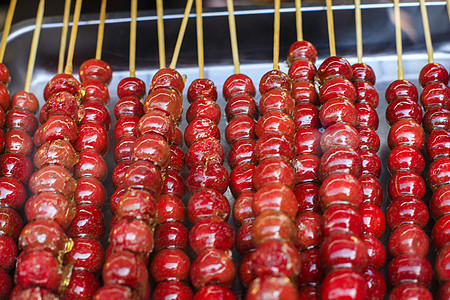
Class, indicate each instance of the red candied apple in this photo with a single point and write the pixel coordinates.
(18, 141)
(210, 175)
(238, 84)
(269, 287)
(274, 145)
(307, 141)
(376, 283)
(200, 129)
(120, 171)
(242, 152)
(307, 194)
(92, 136)
(401, 89)
(91, 163)
(8, 248)
(404, 158)
(434, 94)
(373, 219)
(129, 105)
(242, 209)
(171, 235)
(375, 251)
(245, 271)
(131, 235)
(137, 204)
(16, 165)
(363, 72)
(24, 100)
(95, 68)
(341, 159)
(407, 209)
(12, 192)
(406, 183)
(4, 97)
(242, 104)
(201, 87)
(204, 108)
(438, 144)
(52, 178)
(275, 121)
(306, 115)
(170, 208)
(273, 225)
(173, 184)
(371, 162)
(366, 93)
(337, 88)
(341, 283)
(95, 89)
(302, 70)
(368, 138)
(408, 239)
(211, 233)
(436, 118)
(310, 271)
(57, 127)
(372, 190)
(274, 170)
(309, 230)
(444, 292)
(205, 151)
(207, 203)
(338, 110)
(113, 291)
(300, 50)
(340, 188)
(96, 112)
(213, 266)
(6, 284)
(339, 134)
(176, 158)
(244, 238)
(90, 191)
(275, 196)
(342, 218)
(143, 174)
(407, 290)
(214, 291)
(441, 233)
(241, 127)
(20, 118)
(433, 72)
(277, 99)
(86, 254)
(152, 147)
(274, 79)
(332, 67)
(403, 108)
(44, 235)
(88, 222)
(306, 168)
(82, 285)
(439, 173)
(63, 83)
(172, 289)
(442, 264)
(410, 268)
(241, 179)
(439, 203)
(4, 74)
(168, 78)
(304, 91)
(170, 264)
(406, 132)
(131, 86)
(367, 116)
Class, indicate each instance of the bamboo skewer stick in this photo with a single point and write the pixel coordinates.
(160, 24)
(73, 37)
(200, 50)
(180, 37)
(233, 36)
(276, 35)
(398, 39)
(8, 21)
(101, 30)
(358, 25)
(133, 24)
(62, 45)
(34, 45)
(426, 31)
(330, 22)
(298, 19)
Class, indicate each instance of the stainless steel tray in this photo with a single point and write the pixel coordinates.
(255, 33)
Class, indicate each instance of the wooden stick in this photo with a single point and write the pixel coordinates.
(358, 25)
(8, 22)
(133, 24)
(180, 37)
(233, 36)
(62, 45)
(73, 37)
(298, 19)
(34, 45)
(200, 50)
(160, 24)
(331, 28)
(448, 8)
(398, 39)
(426, 31)
(276, 34)
(101, 30)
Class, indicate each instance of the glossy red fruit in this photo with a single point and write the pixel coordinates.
(274, 79)
(50, 206)
(434, 94)
(338, 110)
(273, 225)
(410, 268)
(12, 192)
(4, 97)
(96, 111)
(342, 218)
(170, 264)
(19, 118)
(211, 175)
(131, 235)
(406, 291)
(339, 134)
(311, 271)
(17, 141)
(277, 99)
(301, 50)
(211, 233)
(368, 138)
(406, 132)
(213, 266)
(274, 170)
(58, 152)
(242, 104)
(242, 209)
(242, 152)
(207, 203)
(200, 129)
(24, 100)
(52, 178)
(131, 86)
(95, 68)
(405, 158)
(90, 191)
(366, 93)
(433, 72)
(307, 195)
(173, 184)
(302, 70)
(376, 283)
(152, 147)
(304, 91)
(441, 232)
(407, 209)
(170, 208)
(8, 248)
(275, 196)
(114, 292)
(86, 254)
(201, 87)
(307, 141)
(438, 144)
(82, 285)
(92, 136)
(95, 89)
(244, 238)
(143, 174)
(39, 268)
(375, 251)
(363, 72)
(238, 84)
(91, 163)
(176, 158)
(367, 116)
(406, 183)
(6, 284)
(4, 74)
(372, 190)
(241, 127)
(63, 83)
(204, 108)
(306, 168)
(401, 89)
(168, 78)
(241, 179)
(436, 118)
(137, 204)
(120, 171)
(334, 66)
(275, 121)
(442, 264)
(16, 165)
(341, 159)
(444, 292)
(172, 289)
(309, 230)
(214, 292)
(88, 222)
(273, 288)
(344, 284)
(371, 162)
(171, 235)
(439, 203)
(341, 188)
(62, 103)
(205, 151)
(337, 88)
(373, 219)
(306, 115)
(403, 108)
(274, 145)
(129, 105)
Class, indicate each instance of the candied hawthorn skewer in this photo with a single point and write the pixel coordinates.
(87, 254)
(406, 215)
